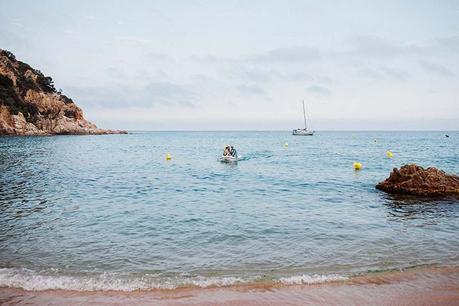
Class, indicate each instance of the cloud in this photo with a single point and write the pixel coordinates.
(115, 96)
(288, 55)
(451, 43)
(169, 92)
(134, 40)
(199, 77)
(378, 48)
(436, 69)
(250, 90)
(358, 47)
(254, 74)
(302, 76)
(153, 56)
(211, 59)
(263, 75)
(370, 56)
(383, 73)
(115, 72)
(319, 90)
(395, 73)
(105, 96)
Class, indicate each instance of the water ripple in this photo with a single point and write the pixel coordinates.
(112, 204)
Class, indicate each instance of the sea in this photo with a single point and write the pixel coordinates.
(109, 212)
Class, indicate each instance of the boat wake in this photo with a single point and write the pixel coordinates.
(257, 155)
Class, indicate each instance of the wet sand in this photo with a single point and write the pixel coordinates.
(422, 286)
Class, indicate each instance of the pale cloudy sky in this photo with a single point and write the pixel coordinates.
(203, 65)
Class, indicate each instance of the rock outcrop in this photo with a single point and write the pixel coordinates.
(415, 180)
(30, 105)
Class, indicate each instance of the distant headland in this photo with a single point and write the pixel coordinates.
(31, 105)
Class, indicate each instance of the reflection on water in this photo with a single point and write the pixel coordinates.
(408, 207)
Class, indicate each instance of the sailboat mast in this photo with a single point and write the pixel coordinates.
(304, 116)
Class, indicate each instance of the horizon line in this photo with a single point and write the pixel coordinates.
(248, 130)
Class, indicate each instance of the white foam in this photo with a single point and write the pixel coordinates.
(205, 282)
(30, 280)
(51, 280)
(311, 279)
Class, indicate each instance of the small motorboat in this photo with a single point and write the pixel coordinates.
(229, 155)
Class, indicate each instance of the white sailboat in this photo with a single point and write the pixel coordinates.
(305, 131)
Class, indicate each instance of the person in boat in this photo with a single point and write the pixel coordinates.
(230, 151)
(233, 151)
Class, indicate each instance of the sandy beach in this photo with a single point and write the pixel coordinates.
(421, 286)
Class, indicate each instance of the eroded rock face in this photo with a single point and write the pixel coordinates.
(30, 105)
(415, 180)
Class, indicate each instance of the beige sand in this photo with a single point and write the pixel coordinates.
(427, 286)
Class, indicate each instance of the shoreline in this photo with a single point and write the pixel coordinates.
(417, 286)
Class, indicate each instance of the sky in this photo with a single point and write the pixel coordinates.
(246, 65)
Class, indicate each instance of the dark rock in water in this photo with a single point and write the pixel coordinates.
(31, 105)
(415, 180)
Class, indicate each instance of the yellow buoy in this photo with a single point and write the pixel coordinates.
(389, 154)
(168, 156)
(357, 166)
(286, 144)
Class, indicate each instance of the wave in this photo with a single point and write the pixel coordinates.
(31, 280)
(39, 281)
(311, 279)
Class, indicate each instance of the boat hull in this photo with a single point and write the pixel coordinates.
(229, 159)
(302, 132)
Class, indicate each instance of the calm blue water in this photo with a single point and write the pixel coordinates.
(109, 212)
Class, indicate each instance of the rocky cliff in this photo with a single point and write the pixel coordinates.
(30, 105)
